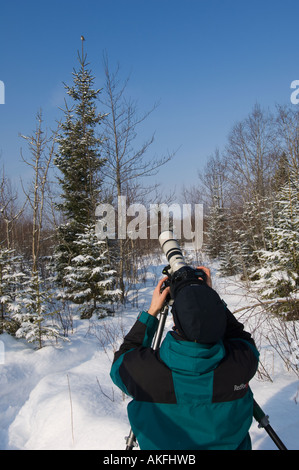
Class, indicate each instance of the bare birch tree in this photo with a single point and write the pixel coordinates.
(126, 161)
(9, 211)
(251, 154)
(41, 148)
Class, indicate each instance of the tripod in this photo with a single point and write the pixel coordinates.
(258, 414)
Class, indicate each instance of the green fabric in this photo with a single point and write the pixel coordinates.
(194, 422)
(115, 377)
(186, 427)
(151, 327)
(184, 356)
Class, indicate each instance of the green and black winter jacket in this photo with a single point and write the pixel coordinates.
(187, 395)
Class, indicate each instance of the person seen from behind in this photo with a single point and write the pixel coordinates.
(193, 392)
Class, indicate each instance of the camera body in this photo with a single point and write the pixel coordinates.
(178, 272)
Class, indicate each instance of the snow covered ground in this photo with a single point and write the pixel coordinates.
(61, 397)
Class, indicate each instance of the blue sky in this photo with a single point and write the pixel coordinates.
(206, 61)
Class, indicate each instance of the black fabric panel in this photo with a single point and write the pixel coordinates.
(146, 377)
(232, 375)
(132, 340)
(235, 329)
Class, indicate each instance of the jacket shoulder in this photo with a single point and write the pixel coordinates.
(232, 376)
(147, 377)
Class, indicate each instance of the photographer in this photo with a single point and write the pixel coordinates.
(192, 393)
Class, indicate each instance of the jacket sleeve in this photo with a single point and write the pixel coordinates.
(235, 329)
(140, 336)
(235, 334)
(234, 372)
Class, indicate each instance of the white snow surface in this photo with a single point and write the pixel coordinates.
(61, 397)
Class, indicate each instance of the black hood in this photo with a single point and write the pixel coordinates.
(199, 313)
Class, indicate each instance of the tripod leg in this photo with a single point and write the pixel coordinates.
(263, 421)
(160, 329)
(275, 438)
(131, 441)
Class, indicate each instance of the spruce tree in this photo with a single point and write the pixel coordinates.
(216, 229)
(11, 284)
(82, 266)
(230, 259)
(79, 161)
(34, 310)
(89, 279)
(280, 259)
